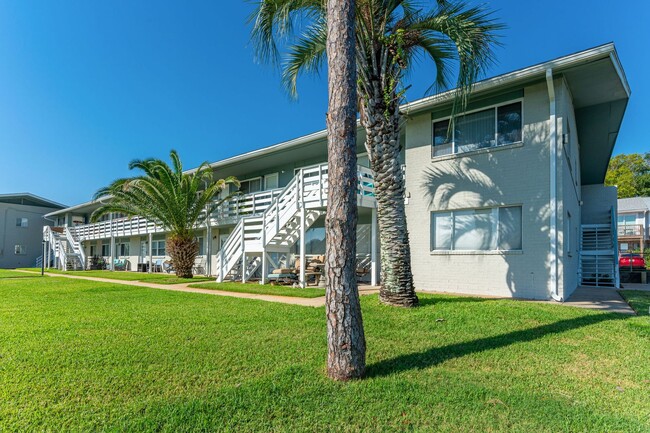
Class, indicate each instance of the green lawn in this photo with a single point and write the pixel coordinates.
(8, 273)
(639, 300)
(84, 356)
(158, 278)
(264, 289)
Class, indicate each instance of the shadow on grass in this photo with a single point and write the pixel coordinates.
(451, 299)
(437, 355)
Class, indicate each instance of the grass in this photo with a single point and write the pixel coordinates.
(157, 278)
(639, 300)
(80, 356)
(264, 289)
(7, 273)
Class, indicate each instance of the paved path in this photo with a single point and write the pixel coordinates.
(584, 297)
(599, 298)
(184, 287)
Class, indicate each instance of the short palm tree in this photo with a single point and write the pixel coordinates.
(179, 201)
(390, 36)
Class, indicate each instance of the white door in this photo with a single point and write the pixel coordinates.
(271, 181)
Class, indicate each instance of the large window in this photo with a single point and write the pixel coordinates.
(627, 219)
(495, 126)
(477, 229)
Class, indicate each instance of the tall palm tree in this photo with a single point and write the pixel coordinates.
(346, 344)
(391, 35)
(179, 201)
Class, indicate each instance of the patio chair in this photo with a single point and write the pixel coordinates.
(199, 267)
(119, 265)
(168, 266)
(157, 266)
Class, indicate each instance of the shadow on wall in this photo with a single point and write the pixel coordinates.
(464, 183)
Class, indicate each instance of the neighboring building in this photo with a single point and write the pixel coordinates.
(21, 228)
(633, 224)
(510, 203)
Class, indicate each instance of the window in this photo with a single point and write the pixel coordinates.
(20, 250)
(93, 250)
(106, 249)
(122, 247)
(250, 186)
(22, 222)
(158, 248)
(496, 126)
(201, 245)
(627, 219)
(477, 229)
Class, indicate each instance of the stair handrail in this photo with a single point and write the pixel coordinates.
(76, 245)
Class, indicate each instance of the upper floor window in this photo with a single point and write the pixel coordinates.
(627, 219)
(491, 127)
(251, 185)
(22, 222)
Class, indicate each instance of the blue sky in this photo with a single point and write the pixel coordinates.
(85, 87)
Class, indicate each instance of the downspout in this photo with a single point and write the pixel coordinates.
(553, 186)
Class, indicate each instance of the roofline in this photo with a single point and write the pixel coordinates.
(72, 208)
(526, 74)
(33, 196)
(558, 64)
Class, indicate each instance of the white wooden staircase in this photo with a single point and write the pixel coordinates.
(283, 223)
(66, 250)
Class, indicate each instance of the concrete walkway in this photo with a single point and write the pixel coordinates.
(594, 298)
(184, 287)
(599, 298)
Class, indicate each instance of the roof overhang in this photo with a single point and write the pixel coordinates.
(32, 198)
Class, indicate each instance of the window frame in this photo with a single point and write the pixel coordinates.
(259, 178)
(155, 247)
(495, 108)
(20, 221)
(495, 214)
(20, 250)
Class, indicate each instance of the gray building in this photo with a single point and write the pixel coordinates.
(21, 228)
(507, 199)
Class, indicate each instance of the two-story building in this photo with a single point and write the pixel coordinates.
(633, 224)
(21, 228)
(506, 199)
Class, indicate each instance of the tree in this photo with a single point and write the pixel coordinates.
(346, 343)
(630, 173)
(390, 36)
(179, 201)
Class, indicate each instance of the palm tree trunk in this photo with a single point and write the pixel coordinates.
(345, 337)
(183, 251)
(382, 130)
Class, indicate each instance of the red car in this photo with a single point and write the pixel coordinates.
(633, 262)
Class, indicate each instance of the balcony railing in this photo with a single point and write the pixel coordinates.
(231, 211)
(630, 230)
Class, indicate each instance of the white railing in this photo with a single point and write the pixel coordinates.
(244, 205)
(309, 187)
(76, 246)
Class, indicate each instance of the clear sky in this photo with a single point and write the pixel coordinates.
(85, 87)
